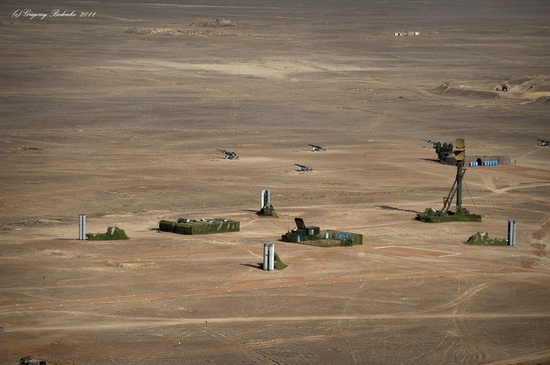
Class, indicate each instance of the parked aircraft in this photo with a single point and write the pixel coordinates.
(303, 168)
(229, 155)
(316, 148)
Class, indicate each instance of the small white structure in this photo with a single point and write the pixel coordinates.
(265, 198)
(269, 257)
(511, 233)
(406, 33)
(82, 227)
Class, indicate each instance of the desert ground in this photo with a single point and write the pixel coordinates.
(116, 112)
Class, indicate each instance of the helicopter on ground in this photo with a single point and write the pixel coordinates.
(544, 142)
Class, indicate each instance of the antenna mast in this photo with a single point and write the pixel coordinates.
(456, 189)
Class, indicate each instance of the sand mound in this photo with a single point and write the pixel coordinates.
(452, 89)
(214, 23)
(539, 89)
(175, 32)
(545, 100)
(535, 88)
(529, 85)
(165, 31)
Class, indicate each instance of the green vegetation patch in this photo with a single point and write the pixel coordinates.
(113, 233)
(482, 239)
(206, 226)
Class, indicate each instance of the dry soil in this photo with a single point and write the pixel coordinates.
(117, 112)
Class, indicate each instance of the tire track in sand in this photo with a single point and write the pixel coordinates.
(251, 286)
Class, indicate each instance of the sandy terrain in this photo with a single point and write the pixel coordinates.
(118, 114)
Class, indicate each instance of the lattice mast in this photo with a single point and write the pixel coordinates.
(456, 189)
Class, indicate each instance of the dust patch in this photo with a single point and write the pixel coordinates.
(134, 264)
(51, 252)
(177, 32)
(542, 232)
(529, 263)
(218, 23)
(540, 249)
(183, 309)
(264, 68)
(214, 23)
(34, 150)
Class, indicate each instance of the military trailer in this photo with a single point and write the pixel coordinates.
(204, 226)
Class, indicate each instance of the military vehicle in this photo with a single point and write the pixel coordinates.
(304, 230)
(312, 235)
(316, 148)
(27, 360)
(303, 168)
(442, 150)
(229, 155)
